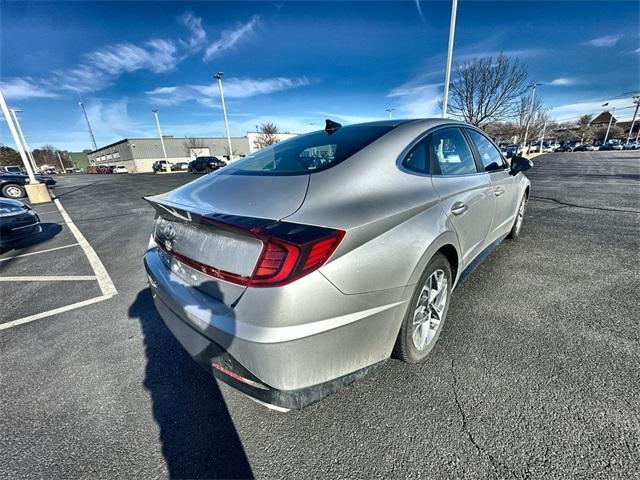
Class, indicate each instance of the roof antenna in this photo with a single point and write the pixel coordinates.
(331, 126)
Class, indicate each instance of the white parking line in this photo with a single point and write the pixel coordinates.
(55, 311)
(104, 281)
(39, 251)
(58, 278)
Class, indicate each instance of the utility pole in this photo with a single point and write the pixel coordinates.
(218, 76)
(16, 139)
(14, 112)
(610, 120)
(447, 73)
(389, 109)
(636, 100)
(86, 118)
(526, 130)
(164, 151)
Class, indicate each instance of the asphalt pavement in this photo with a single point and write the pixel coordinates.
(535, 375)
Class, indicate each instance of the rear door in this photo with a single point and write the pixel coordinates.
(466, 195)
(505, 188)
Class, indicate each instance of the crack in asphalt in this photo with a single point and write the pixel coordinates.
(566, 204)
(465, 429)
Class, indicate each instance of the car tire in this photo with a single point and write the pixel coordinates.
(12, 190)
(514, 234)
(416, 338)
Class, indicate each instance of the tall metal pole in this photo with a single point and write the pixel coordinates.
(389, 110)
(610, 120)
(14, 112)
(64, 171)
(447, 73)
(544, 129)
(218, 76)
(16, 139)
(633, 122)
(86, 118)
(164, 151)
(526, 130)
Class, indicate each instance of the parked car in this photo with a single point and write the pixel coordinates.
(12, 184)
(632, 146)
(160, 166)
(585, 147)
(288, 281)
(206, 164)
(17, 221)
(180, 166)
(563, 148)
(120, 169)
(12, 169)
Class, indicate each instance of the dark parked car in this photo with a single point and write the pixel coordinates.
(160, 166)
(17, 221)
(586, 147)
(206, 164)
(564, 148)
(12, 184)
(177, 167)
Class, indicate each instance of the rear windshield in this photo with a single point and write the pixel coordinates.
(308, 153)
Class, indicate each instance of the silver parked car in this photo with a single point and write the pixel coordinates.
(292, 272)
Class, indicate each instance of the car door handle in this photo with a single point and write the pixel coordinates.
(459, 208)
(499, 191)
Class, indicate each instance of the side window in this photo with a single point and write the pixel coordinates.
(451, 152)
(489, 156)
(416, 159)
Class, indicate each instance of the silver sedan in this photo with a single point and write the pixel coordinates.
(294, 271)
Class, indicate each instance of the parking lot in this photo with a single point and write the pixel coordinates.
(536, 373)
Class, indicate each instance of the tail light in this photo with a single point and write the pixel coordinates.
(289, 250)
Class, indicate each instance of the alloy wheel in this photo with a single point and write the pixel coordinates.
(430, 308)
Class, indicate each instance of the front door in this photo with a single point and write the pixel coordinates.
(465, 194)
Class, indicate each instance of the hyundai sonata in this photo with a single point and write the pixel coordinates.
(294, 271)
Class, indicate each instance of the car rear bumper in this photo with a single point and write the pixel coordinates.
(288, 367)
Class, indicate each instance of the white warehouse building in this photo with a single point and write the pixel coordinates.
(139, 154)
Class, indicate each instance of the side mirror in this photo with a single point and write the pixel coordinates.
(520, 164)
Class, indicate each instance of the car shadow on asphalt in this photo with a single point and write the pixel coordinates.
(198, 437)
(49, 230)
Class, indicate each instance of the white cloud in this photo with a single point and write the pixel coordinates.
(228, 38)
(419, 8)
(198, 36)
(571, 111)
(563, 82)
(606, 41)
(233, 88)
(349, 118)
(25, 88)
(415, 99)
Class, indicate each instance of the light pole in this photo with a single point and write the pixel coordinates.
(447, 73)
(86, 118)
(610, 120)
(16, 139)
(526, 130)
(164, 151)
(389, 109)
(14, 112)
(636, 100)
(544, 129)
(218, 76)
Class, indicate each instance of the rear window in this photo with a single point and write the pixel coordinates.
(308, 153)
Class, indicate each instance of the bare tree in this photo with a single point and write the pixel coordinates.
(487, 89)
(614, 132)
(501, 132)
(194, 146)
(536, 118)
(584, 128)
(9, 157)
(268, 135)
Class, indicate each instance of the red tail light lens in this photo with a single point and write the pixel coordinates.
(289, 250)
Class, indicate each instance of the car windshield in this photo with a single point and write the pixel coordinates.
(308, 153)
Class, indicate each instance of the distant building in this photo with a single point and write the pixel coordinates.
(139, 154)
(603, 120)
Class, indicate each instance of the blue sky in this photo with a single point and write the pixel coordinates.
(292, 63)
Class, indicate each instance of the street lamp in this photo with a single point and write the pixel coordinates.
(447, 73)
(218, 76)
(526, 130)
(389, 109)
(164, 150)
(610, 120)
(86, 118)
(14, 112)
